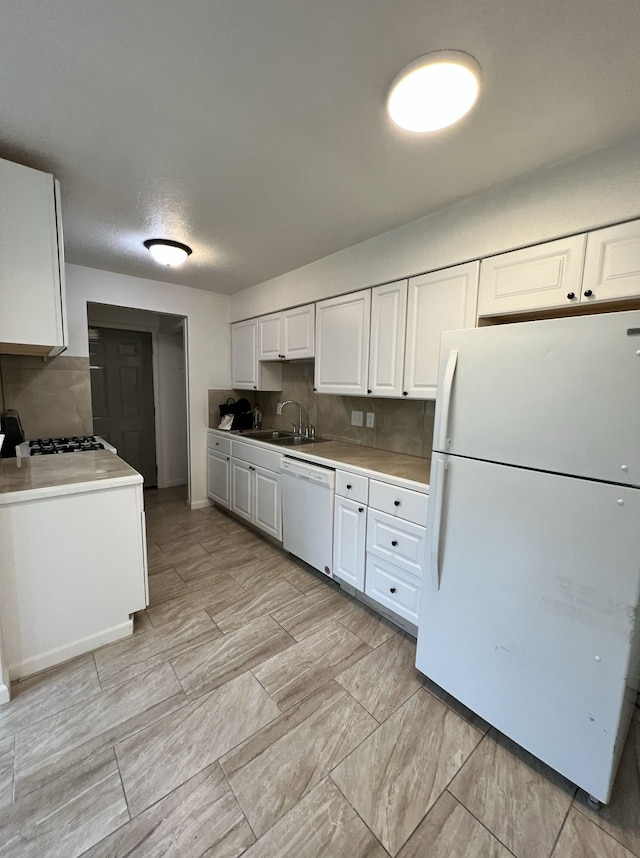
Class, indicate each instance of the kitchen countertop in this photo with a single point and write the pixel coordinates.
(411, 471)
(47, 476)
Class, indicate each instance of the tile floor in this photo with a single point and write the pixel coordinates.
(259, 711)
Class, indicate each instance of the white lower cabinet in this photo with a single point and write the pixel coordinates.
(349, 539)
(397, 590)
(218, 477)
(255, 496)
(267, 506)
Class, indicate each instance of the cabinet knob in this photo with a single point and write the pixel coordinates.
(588, 293)
(251, 468)
(349, 486)
(571, 295)
(368, 391)
(360, 509)
(282, 357)
(394, 542)
(255, 386)
(217, 443)
(396, 503)
(392, 589)
(405, 393)
(315, 389)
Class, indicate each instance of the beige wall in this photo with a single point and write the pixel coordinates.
(593, 190)
(403, 426)
(52, 396)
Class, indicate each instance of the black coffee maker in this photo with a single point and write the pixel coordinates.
(11, 428)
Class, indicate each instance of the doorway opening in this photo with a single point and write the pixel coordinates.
(139, 389)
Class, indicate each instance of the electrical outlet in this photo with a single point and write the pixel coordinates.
(371, 419)
(356, 418)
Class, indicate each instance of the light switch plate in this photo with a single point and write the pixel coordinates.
(356, 418)
(371, 419)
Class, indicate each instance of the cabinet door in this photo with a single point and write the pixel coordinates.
(267, 507)
(32, 316)
(241, 489)
(349, 532)
(218, 477)
(342, 344)
(393, 587)
(440, 301)
(298, 331)
(244, 355)
(386, 349)
(270, 337)
(535, 278)
(612, 263)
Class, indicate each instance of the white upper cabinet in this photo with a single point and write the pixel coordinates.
(441, 301)
(612, 263)
(32, 318)
(386, 348)
(342, 344)
(288, 335)
(247, 373)
(535, 278)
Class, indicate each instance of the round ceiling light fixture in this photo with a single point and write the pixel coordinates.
(434, 91)
(167, 252)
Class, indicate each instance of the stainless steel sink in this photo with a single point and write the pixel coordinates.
(266, 434)
(294, 441)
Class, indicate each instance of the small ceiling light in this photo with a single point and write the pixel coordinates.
(434, 91)
(167, 252)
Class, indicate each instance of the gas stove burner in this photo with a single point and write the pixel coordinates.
(75, 444)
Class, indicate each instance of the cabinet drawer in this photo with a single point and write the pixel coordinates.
(398, 541)
(393, 587)
(220, 445)
(257, 455)
(402, 503)
(352, 486)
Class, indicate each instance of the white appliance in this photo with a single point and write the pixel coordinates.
(529, 602)
(72, 444)
(307, 512)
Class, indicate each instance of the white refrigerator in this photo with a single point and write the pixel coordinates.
(530, 596)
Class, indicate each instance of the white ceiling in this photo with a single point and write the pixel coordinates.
(255, 130)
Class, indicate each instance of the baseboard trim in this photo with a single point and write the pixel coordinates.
(5, 688)
(201, 504)
(42, 661)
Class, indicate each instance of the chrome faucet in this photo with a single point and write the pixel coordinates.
(281, 405)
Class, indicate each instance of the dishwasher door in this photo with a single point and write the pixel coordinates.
(307, 512)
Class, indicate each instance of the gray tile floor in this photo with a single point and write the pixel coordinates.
(259, 711)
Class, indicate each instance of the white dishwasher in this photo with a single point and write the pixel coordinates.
(307, 512)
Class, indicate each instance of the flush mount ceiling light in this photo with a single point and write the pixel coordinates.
(434, 91)
(167, 252)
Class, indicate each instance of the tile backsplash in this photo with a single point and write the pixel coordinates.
(52, 396)
(402, 426)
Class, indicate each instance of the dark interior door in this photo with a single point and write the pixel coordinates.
(122, 396)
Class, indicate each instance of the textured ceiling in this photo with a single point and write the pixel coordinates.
(255, 130)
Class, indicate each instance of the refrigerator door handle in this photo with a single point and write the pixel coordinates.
(442, 442)
(436, 501)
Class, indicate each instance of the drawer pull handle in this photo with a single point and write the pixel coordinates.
(392, 589)
(349, 486)
(360, 509)
(394, 542)
(396, 503)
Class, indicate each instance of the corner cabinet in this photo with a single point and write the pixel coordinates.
(247, 372)
(288, 335)
(441, 301)
(32, 320)
(342, 344)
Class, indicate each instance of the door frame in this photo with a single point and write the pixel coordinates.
(125, 326)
